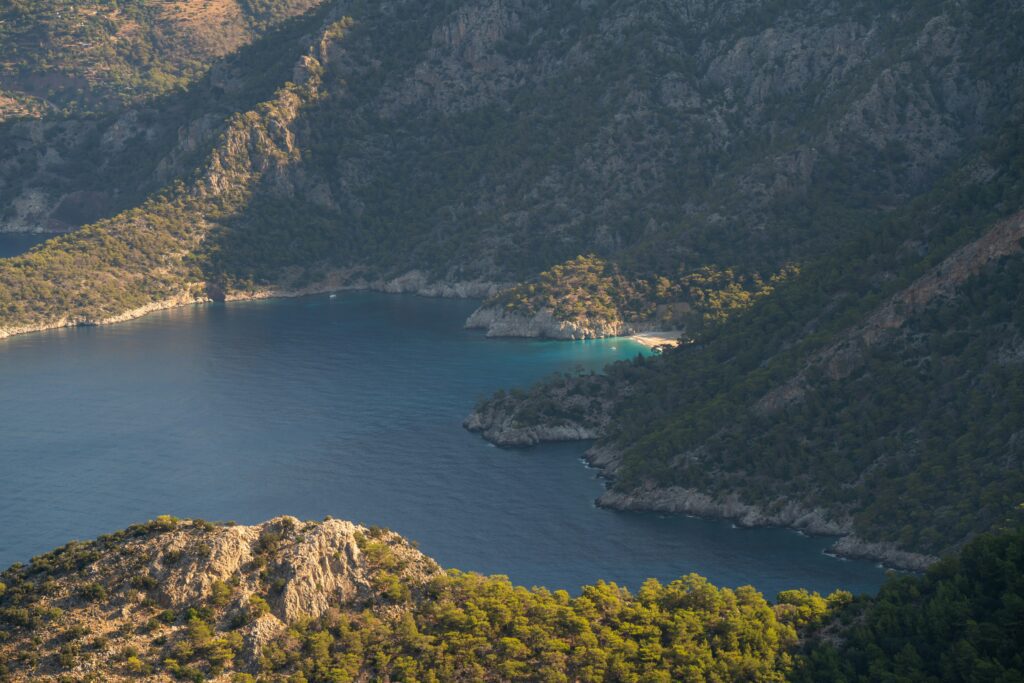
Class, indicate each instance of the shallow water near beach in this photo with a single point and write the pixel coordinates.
(349, 407)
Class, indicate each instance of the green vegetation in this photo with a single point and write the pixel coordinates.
(646, 162)
(470, 627)
(149, 254)
(960, 622)
(910, 438)
(95, 55)
(589, 289)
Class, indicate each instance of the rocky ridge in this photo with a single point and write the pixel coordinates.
(846, 355)
(151, 586)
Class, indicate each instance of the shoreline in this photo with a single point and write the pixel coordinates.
(413, 282)
(791, 515)
(845, 544)
(655, 339)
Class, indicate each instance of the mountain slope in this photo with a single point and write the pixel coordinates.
(332, 601)
(738, 137)
(875, 396)
(288, 600)
(962, 621)
(95, 56)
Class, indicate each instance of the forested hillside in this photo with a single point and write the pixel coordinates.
(737, 137)
(960, 622)
(94, 55)
(876, 395)
(332, 601)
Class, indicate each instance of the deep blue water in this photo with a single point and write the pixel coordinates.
(349, 407)
(12, 244)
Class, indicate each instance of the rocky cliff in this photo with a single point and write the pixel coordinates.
(190, 590)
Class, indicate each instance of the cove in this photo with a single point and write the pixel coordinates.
(349, 407)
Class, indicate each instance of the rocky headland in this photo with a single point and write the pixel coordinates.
(581, 408)
(499, 322)
(567, 408)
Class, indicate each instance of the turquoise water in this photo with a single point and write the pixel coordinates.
(349, 407)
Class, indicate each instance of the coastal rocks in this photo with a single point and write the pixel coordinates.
(414, 282)
(855, 547)
(501, 429)
(565, 409)
(674, 499)
(786, 513)
(417, 282)
(502, 323)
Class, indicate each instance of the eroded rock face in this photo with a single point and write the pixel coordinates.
(242, 582)
(316, 565)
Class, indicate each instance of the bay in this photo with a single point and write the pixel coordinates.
(349, 407)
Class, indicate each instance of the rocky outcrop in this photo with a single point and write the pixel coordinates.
(502, 429)
(784, 513)
(502, 323)
(567, 408)
(418, 282)
(246, 581)
(889, 554)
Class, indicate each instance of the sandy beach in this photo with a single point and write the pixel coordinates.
(652, 339)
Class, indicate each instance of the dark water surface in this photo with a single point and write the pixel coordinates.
(349, 407)
(12, 244)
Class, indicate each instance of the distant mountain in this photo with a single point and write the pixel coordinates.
(93, 56)
(484, 142)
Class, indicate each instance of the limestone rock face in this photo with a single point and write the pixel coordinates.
(501, 429)
(244, 582)
(316, 565)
